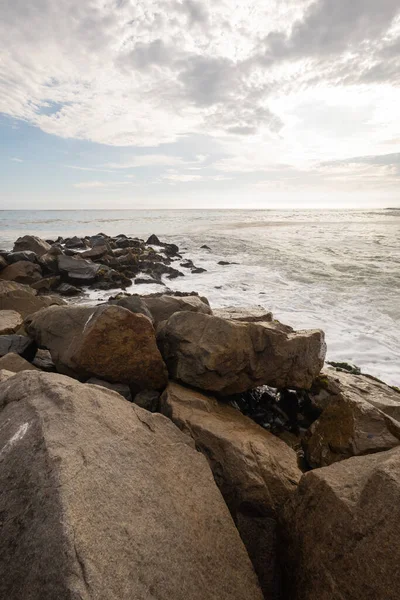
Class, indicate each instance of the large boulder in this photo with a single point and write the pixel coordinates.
(14, 257)
(333, 385)
(10, 321)
(108, 342)
(22, 271)
(133, 303)
(227, 357)
(344, 531)
(162, 307)
(355, 419)
(256, 472)
(31, 243)
(23, 299)
(78, 270)
(15, 362)
(108, 501)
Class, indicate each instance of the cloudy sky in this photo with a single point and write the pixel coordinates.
(199, 103)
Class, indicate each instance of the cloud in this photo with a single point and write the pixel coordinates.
(149, 160)
(19, 160)
(104, 185)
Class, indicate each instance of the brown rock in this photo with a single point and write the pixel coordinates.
(226, 357)
(10, 321)
(32, 243)
(108, 342)
(23, 299)
(120, 388)
(163, 307)
(251, 314)
(108, 501)
(95, 253)
(344, 531)
(3, 263)
(22, 271)
(355, 421)
(15, 362)
(255, 471)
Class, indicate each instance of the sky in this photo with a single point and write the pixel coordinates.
(199, 104)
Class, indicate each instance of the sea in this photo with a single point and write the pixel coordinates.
(337, 270)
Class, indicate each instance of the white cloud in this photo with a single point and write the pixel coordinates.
(148, 160)
(19, 160)
(103, 185)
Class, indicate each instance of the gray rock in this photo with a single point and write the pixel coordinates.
(162, 307)
(120, 388)
(101, 499)
(28, 255)
(17, 344)
(78, 269)
(147, 399)
(249, 314)
(133, 303)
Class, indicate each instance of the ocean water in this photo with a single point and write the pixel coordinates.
(334, 270)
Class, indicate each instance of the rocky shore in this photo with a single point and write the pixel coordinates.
(152, 447)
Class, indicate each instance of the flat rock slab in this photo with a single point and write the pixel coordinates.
(10, 321)
(14, 362)
(344, 531)
(105, 500)
(251, 314)
(78, 269)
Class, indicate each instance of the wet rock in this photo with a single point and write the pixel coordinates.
(198, 270)
(75, 242)
(346, 367)
(148, 399)
(162, 307)
(29, 256)
(78, 270)
(359, 416)
(344, 529)
(43, 361)
(22, 272)
(66, 289)
(23, 299)
(251, 314)
(154, 241)
(15, 363)
(118, 501)
(31, 243)
(3, 263)
(205, 247)
(95, 253)
(120, 388)
(107, 342)
(17, 344)
(227, 357)
(49, 261)
(256, 472)
(225, 262)
(10, 321)
(144, 280)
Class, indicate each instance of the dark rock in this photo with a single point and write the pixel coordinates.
(49, 261)
(95, 253)
(346, 367)
(66, 289)
(224, 262)
(188, 264)
(28, 255)
(75, 242)
(46, 284)
(154, 241)
(43, 361)
(3, 263)
(205, 247)
(198, 270)
(78, 270)
(120, 388)
(18, 344)
(141, 280)
(147, 399)
(127, 243)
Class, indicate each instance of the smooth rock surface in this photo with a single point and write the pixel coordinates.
(344, 531)
(226, 357)
(133, 303)
(78, 269)
(108, 342)
(10, 321)
(162, 307)
(31, 243)
(15, 362)
(108, 501)
(4, 375)
(22, 271)
(256, 472)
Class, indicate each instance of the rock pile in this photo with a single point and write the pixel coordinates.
(151, 447)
